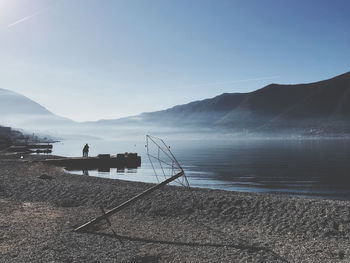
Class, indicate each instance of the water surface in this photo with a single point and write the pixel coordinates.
(318, 168)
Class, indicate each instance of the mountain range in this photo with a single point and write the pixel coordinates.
(314, 108)
(319, 107)
(19, 111)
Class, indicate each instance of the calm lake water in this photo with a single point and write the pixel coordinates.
(319, 168)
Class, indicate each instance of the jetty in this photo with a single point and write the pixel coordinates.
(123, 160)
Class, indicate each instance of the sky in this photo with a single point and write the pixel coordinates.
(104, 59)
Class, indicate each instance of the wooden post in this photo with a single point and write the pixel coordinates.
(129, 202)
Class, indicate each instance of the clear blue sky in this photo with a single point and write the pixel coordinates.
(94, 59)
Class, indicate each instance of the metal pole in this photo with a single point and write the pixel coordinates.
(129, 202)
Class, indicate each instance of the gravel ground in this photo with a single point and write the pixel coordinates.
(40, 205)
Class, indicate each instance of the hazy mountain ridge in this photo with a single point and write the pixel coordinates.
(322, 106)
(13, 103)
(319, 107)
(19, 111)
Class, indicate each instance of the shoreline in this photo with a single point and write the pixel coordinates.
(38, 216)
(265, 190)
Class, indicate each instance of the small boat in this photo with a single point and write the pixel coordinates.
(125, 160)
(27, 149)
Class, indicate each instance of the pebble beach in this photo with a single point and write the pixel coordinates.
(41, 205)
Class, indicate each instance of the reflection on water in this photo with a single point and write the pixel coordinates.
(318, 168)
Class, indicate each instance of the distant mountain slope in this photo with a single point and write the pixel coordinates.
(295, 105)
(17, 110)
(317, 108)
(323, 105)
(12, 103)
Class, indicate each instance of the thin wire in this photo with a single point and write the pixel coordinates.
(160, 164)
(161, 146)
(154, 157)
(154, 170)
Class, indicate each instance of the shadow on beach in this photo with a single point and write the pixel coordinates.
(247, 247)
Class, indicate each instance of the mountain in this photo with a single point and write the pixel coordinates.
(318, 107)
(15, 104)
(17, 110)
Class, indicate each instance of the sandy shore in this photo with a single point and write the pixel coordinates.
(37, 217)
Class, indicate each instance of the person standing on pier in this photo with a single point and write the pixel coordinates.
(86, 151)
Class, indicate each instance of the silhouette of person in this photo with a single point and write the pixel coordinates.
(86, 151)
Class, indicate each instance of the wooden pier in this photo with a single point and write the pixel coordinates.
(127, 160)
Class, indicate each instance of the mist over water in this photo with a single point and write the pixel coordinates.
(312, 167)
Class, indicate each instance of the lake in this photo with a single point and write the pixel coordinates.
(318, 168)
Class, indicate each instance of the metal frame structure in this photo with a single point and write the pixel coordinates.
(176, 173)
(171, 162)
